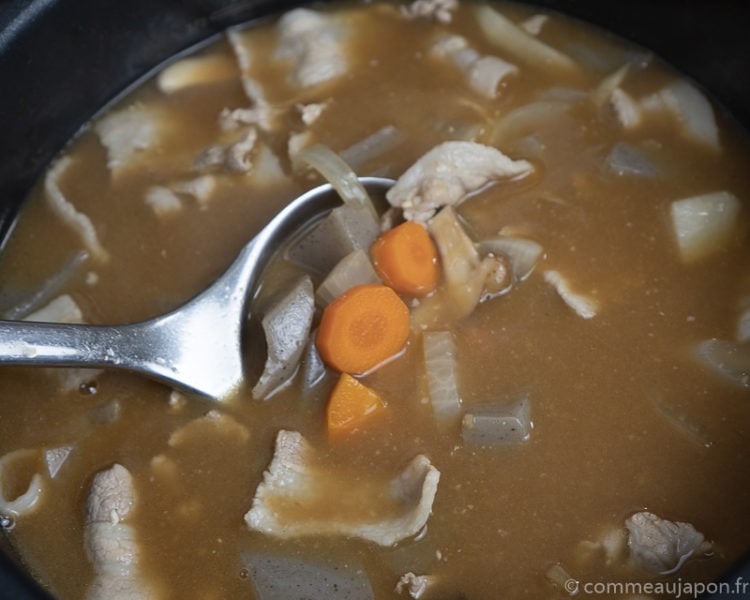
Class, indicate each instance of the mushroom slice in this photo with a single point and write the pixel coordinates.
(300, 497)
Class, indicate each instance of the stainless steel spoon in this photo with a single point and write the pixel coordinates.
(196, 347)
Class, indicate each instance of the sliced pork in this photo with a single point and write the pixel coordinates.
(129, 135)
(300, 497)
(314, 43)
(661, 546)
(66, 211)
(447, 174)
(110, 540)
(440, 10)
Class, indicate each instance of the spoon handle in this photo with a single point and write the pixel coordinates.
(58, 344)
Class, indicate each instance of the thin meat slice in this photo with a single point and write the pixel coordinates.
(300, 497)
(447, 174)
(110, 540)
(314, 43)
(661, 546)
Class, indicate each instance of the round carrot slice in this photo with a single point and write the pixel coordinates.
(406, 259)
(362, 328)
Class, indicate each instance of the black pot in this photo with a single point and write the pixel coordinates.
(62, 60)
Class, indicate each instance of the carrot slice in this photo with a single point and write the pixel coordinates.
(362, 328)
(406, 259)
(350, 405)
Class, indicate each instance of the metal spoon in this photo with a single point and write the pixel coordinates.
(196, 347)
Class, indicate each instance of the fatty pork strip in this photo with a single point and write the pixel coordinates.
(314, 42)
(484, 74)
(312, 48)
(110, 540)
(298, 498)
(447, 174)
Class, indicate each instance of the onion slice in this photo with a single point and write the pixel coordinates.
(343, 179)
(508, 36)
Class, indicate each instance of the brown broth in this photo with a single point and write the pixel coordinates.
(600, 449)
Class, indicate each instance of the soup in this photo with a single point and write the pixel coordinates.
(567, 404)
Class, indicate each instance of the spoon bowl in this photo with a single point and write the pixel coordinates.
(196, 348)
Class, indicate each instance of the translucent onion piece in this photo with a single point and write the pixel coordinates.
(333, 168)
(525, 47)
(49, 288)
(703, 224)
(354, 269)
(527, 119)
(728, 359)
(383, 140)
(442, 375)
(27, 501)
(522, 253)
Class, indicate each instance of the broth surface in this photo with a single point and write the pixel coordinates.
(625, 418)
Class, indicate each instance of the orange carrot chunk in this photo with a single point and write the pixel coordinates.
(406, 259)
(351, 405)
(362, 328)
